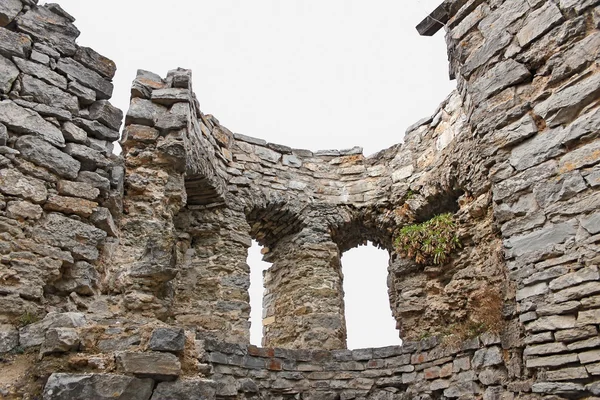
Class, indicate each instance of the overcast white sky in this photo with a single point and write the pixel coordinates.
(304, 73)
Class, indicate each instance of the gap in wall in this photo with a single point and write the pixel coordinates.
(257, 266)
(369, 320)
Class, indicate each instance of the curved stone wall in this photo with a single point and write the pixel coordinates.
(126, 277)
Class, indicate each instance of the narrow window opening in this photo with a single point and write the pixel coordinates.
(257, 267)
(369, 320)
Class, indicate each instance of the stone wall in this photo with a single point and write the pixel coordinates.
(60, 184)
(126, 277)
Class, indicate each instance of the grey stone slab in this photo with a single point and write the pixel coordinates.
(89, 158)
(567, 102)
(9, 9)
(43, 24)
(155, 365)
(97, 62)
(591, 223)
(540, 239)
(26, 121)
(8, 74)
(196, 389)
(45, 110)
(585, 156)
(575, 278)
(9, 338)
(14, 44)
(107, 114)
(48, 94)
(41, 72)
(13, 182)
(81, 239)
(551, 361)
(96, 129)
(576, 292)
(85, 95)
(81, 278)
(555, 388)
(34, 334)
(144, 112)
(170, 96)
(63, 386)
(539, 22)
(552, 323)
(42, 153)
(505, 74)
(40, 58)
(60, 340)
(85, 76)
(167, 339)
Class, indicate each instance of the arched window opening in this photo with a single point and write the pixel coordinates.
(257, 267)
(369, 321)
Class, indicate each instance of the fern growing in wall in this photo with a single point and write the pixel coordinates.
(430, 242)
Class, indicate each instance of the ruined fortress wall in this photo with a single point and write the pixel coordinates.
(136, 266)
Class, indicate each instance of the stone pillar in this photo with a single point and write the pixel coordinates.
(211, 289)
(303, 306)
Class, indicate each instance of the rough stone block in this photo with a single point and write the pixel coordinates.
(89, 158)
(34, 334)
(9, 9)
(539, 22)
(540, 239)
(197, 389)
(41, 72)
(49, 95)
(44, 154)
(551, 361)
(9, 338)
(70, 205)
(544, 349)
(97, 62)
(79, 238)
(97, 129)
(60, 340)
(107, 114)
(505, 74)
(61, 386)
(14, 183)
(557, 388)
(81, 278)
(144, 112)
(48, 26)
(487, 357)
(14, 44)
(26, 121)
(103, 219)
(568, 101)
(155, 365)
(8, 74)
(85, 76)
(23, 210)
(167, 339)
(77, 189)
(552, 323)
(170, 96)
(589, 356)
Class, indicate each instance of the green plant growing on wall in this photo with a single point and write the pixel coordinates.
(429, 242)
(28, 318)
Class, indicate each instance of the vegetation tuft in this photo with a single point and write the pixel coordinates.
(28, 318)
(429, 242)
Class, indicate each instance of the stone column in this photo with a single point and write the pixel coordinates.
(303, 306)
(211, 289)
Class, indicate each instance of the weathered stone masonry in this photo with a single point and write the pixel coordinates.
(126, 276)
